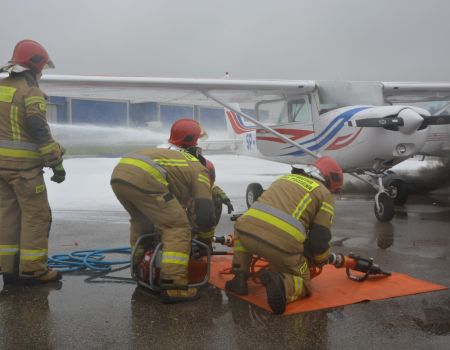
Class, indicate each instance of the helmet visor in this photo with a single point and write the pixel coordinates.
(49, 64)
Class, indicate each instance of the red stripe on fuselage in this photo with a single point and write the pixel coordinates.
(238, 129)
(337, 142)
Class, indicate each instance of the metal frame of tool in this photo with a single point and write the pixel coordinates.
(151, 285)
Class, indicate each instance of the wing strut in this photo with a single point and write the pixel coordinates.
(261, 125)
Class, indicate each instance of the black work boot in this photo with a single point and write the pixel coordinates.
(50, 276)
(238, 284)
(276, 296)
(10, 278)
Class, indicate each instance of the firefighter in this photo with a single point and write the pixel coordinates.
(289, 225)
(178, 140)
(219, 198)
(26, 146)
(153, 185)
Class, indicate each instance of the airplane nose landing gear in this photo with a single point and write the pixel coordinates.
(384, 204)
(384, 207)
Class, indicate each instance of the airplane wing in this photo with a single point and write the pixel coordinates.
(173, 90)
(398, 92)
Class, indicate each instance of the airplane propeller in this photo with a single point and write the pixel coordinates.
(407, 121)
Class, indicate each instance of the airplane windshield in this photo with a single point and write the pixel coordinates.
(281, 112)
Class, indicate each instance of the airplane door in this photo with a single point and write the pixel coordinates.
(292, 118)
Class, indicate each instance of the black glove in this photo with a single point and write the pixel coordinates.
(59, 174)
(227, 202)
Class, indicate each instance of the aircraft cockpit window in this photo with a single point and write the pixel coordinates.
(300, 111)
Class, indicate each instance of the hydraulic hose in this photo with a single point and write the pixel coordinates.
(93, 259)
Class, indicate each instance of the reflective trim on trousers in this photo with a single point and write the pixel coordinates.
(139, 250)
(9, 249)
(238, 247)
(33, 254)
(298, 287)
(175, 258)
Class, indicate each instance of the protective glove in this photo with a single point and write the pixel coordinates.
(59, 174)
(227, 202)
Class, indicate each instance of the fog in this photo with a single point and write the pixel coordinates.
(323, 39)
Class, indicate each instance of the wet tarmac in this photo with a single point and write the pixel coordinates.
(109, 312)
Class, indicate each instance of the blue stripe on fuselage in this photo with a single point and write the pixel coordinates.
(341, 119)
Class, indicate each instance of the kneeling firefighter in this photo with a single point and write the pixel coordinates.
(289, 226)
(152, 185)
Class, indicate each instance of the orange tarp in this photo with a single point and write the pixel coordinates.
(332, 288)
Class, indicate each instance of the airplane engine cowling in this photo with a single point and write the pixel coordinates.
(411, 121)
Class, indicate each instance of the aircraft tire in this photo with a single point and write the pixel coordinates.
(386, 211)
(401, 189)
(254, 190)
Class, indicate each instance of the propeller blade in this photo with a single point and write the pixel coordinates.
(435, 120)
(390, 123)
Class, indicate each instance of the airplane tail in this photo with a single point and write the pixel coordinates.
(243, 132)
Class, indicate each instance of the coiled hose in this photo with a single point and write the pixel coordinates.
(93, 259)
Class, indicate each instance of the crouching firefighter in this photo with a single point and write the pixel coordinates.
(183, 138)
(219, 198)
(151, 185)
(289, 226)
(26, 146)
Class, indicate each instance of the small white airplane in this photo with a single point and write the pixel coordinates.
(359, 124)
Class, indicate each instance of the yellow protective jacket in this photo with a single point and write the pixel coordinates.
(157, 170)
(283, 215)
(22, 103)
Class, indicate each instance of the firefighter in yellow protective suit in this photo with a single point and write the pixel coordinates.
(288, 225)
(153, 186)
(219, 198)
(177, 139)
(26, 146)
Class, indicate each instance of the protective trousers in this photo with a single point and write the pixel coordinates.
(25, 220)
(293, 267)
(164, 212)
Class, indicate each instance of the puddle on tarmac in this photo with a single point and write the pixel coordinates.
(437, 321)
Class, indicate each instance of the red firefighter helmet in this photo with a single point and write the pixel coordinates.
(32, 55)
(212, 171)
(327, 170)
(185, 133)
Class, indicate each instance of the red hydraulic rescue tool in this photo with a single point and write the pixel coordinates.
(350, 262)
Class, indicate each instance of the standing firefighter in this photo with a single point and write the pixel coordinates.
(153, 186)
(289, 225)
(26, 146)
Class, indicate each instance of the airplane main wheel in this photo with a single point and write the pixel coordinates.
(385, 212)
(400, 192)
(254, 190)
